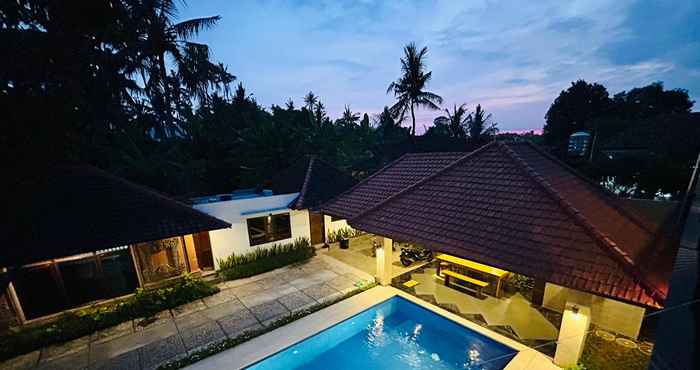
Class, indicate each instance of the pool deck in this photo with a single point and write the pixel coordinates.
(263, 346)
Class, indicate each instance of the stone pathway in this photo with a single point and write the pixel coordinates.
(241, 305)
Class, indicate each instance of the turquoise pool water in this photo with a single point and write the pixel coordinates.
(395, 334)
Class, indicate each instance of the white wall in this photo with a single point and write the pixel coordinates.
(235, 239)
(332, 226)
(606, 313)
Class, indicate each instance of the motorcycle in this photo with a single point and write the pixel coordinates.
(410, 255)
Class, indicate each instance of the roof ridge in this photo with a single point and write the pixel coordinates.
(609, 245)
(636, 219)
(366, 179)
(304, 185)
(425, 179)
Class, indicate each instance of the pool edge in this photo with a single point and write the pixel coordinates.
(259, 348)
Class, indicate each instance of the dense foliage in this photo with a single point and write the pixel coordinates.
(644, 140)
(73, 325)
(261, 260)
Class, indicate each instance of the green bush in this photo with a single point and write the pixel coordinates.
(73, 325)
(342, 233)
(265, 259)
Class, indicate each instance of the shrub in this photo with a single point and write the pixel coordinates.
(342, 233)
(265, 259)
(521, 283)
(73, 325)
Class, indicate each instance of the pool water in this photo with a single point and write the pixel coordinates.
(395, 334)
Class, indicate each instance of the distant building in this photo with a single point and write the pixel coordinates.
(579, 143)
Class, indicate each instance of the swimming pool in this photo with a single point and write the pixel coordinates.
(394, 334)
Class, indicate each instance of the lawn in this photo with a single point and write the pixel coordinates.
(600, 354)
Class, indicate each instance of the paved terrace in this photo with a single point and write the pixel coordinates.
(241, 305)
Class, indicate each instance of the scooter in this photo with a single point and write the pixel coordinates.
(410, 255)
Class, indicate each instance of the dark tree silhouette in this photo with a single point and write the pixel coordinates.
(409, 88)
(455, 121)
(480, 126)
(573, 111)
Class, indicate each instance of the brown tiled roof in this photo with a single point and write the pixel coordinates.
(76, 209)
(394, 177)
(315, 180)
(514, 207)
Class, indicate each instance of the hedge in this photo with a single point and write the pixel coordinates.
(265, 259)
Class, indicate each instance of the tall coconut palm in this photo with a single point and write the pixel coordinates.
(160, 38)
(349, 117)
(481, 128)
(310, 100)
(456, 121)
(409, 88)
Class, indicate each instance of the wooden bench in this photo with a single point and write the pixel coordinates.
(478, 284)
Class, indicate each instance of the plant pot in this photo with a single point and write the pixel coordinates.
(344, 243)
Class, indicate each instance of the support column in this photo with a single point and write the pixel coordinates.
(384, 260)
(572, 334)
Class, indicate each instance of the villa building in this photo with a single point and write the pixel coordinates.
(87, 236)
(284, 212)
(513, 208)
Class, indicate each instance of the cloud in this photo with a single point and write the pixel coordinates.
(512, 59)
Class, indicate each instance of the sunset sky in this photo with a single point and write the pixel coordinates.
(510, 58)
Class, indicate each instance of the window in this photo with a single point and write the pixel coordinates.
(269, 228)
(161, 259)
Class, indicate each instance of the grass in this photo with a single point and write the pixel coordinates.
(342, 233)
(265, 259)
(73, 325)
(599, 354)
(229, 343)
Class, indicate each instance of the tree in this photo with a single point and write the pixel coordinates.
(573, 110)
(409, 88)
(160, 38)
(480, 127)
(455, 122)
(349, 118)
(365, 122)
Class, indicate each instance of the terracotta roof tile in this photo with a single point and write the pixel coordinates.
(514, 207)
(315, 180)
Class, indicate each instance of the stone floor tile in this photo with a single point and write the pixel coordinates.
(113, 332)
(296, 301)
(341, 282)
(266, 311)
(238, 322)
(188, 308)
(155, 354)
(59, 350)
(195, 338)
(26, 361)
(162, 317)
(223, 309)
(191, 320)
(126, 361)
(73, 361)
(321, 292)
(219, 298)
(247, 289)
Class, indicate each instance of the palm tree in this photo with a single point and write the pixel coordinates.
(349, 118)
(480, 127)
(310, 100)
(409, 88)
(160, 38)
(456, 122)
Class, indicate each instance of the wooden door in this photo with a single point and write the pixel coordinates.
(317, 228)
(202, 247)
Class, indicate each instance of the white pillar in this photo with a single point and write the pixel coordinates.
(384, 260)
(572, 334)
